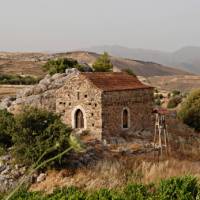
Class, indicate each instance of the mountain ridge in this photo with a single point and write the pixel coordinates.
(186, 58)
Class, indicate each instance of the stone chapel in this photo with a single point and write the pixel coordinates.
(106, 104)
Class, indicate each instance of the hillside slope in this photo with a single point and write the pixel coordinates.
(31, 63)
(186, 58)
(140, 68)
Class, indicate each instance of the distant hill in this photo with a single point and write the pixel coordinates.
(139, 67)
(31, 63)
(187, 58)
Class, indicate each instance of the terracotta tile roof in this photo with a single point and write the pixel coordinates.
(113, 81)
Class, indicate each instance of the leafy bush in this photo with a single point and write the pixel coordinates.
(158, 102)
(174, 102)
(18, 80)
(103, 64)
(176, 93)
(183, 188)
(158, 96)
(129, 71)
(6, 127)
(190, 110)
(37, 131)
(60, 65)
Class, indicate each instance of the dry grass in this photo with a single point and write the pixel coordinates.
(116, 169)
(10, 90)
(183, 83)
(17, 67)
(113, 173)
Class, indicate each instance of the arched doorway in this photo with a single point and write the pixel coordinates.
(125, 118)
(79, 119)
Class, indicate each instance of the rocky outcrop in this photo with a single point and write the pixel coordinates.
(41, 95)
(10, 173)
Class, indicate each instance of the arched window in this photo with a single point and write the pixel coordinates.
(125, 118)
(79, 120)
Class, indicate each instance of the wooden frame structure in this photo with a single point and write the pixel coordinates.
(161, 136)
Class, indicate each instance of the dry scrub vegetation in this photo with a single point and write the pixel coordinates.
(113, 171)
(10, 90)
(115, 174)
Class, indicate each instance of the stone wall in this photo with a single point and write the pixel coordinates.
(139, 104)
(79, 93)
(41, 95)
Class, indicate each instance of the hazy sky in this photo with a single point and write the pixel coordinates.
(62, 25)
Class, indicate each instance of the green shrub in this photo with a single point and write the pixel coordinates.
(18, 80)
(23, 194)
(129, 71)
(103, 64)
(158, 96)
(37, 131)
(104, 194)
(158, 102)
(71, 193)
(176, 93)
(190, 110)
(136, 192)
(60, 65)
(174, 102)
(6, 127)
(182, 188)
(178, 188)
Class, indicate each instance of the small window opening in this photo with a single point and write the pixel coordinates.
(125, 118)
(93, 125)
(86, 96)
(92, 114)
(70, 104)
(79, 120)
(78, 95)
(95, 105)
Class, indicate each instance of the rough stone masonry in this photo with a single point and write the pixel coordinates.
(107, 104)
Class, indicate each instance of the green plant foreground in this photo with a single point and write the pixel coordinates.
(179, 188)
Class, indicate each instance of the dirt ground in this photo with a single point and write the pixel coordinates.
(170, 83)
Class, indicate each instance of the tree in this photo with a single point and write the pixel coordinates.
(174, 102)
(60, 65)
(190, 110)
(103, 64)
(37, 131)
